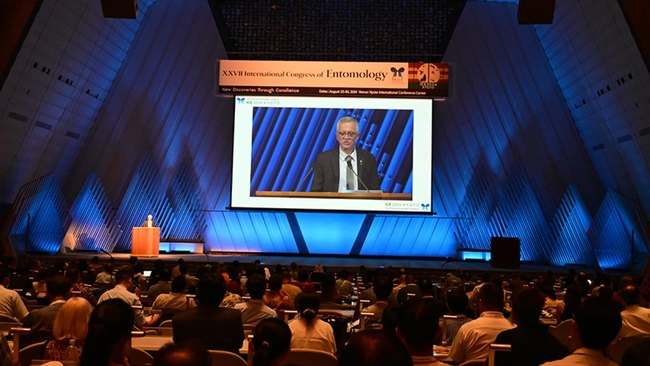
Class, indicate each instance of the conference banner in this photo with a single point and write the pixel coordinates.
(340, 79)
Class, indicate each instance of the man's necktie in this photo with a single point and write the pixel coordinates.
(349, 176)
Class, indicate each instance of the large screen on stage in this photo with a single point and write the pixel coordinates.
(282, 143)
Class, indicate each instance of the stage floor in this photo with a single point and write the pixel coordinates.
(331, 262)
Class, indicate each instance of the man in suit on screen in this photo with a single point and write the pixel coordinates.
(332, 171)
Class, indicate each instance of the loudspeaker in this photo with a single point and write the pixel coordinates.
(505, 252)
(536, 11)
(120, 9)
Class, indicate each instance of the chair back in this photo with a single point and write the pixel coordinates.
(616, 350)
(140, 357)
(562, 332)
(165, 328)
(494, 347)
(224, 358)
(32, 352)
(310, 357)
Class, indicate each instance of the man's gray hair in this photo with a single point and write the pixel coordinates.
(347, 120)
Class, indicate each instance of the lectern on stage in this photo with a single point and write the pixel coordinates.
(145, 241)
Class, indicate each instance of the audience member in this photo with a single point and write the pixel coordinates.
(389, 320)
(186, 353)
(124, 279)
(553, 307)
(453, 280)
(597, 322)
(374, 347)
(78, 286)
(318, 274)
(293, 272)
(474, 338)
(163, 285)
(289, 289)
(457, 302)
(200, 324)
(328, 293)
(306, 330)
(71, 323)
(176, 271)
(303, 281)
(271, 342)
(343, 284)
(635, 319)
(11, 304)
(254, 310)
(517, 283)
(174, 302)
(273, 298)
(637, 355)
(417, 326)
(106, 276)
(473, 297)
(532, 343)
(369, 292)
(383, 287)
(410, 288)
(109, 335)
(41, 321)
(94, 265)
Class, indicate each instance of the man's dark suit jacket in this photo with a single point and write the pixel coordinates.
(326, 171)
(41, 321)
(218, 328)
(531, 346)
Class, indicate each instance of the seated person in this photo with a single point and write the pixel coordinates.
(163, 286)
(41, 321)
(174, 302)
(417, 326)
(596, 324)
(201, 323)
(383, 287)
(474, 338)
(273, 298)
(122, 291)
(457, 302)
(182, 354)
(71, 323)
(254, 310)
(374, 347)
(271, 342)
(306, 330)
(11, 304)
(328, 293)
(109, 334)
(531, 342)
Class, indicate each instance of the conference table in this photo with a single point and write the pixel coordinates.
(154, 343)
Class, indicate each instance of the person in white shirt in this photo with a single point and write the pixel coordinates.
(176, 301)
(253, 311)
(635, 319)
(474, 338)
(596, 324)
(121, 291)
(308, 332)
(11, 304)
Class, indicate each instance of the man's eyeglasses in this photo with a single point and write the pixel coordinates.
(347, 134)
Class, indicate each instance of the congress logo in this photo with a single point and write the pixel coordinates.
(428, 76)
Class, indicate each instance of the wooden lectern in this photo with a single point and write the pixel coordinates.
(145, 241)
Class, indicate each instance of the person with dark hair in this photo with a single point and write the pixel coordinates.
(94, 265)
(303, 281)
(369, 292)
(109, 335)
(457, 302)
(531, 342)
(417, 326)
(596, 324)
(182, 354)
(163, 285)
(218, 328)
(635, 319)
(383, 287)
(294, 271)
(328, 293)
(306, 330)
(254, 310)
(121, 291)
(474, 338)
(106, 276)
(552, 306)
(176, 271)
(374, 347)
(174, 302)
(41, 321)
(84, 291)
(343, 284)
(410, 288)
(11, 304)
(289, 289)
(637, 355)
(273, 298)
(271, 342)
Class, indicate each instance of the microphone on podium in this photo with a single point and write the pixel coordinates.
(311, 170)
(356, 175)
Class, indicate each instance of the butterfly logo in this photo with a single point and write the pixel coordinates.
(397, 73)
(425, 206)
(240, 100)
